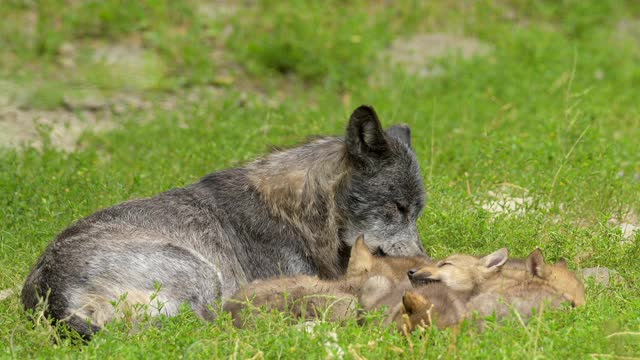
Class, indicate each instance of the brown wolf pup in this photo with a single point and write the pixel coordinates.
(542, 286)
(463, 273)
(521, 286)
(310, 297)
(441, 291)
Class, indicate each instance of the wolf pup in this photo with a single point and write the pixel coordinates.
(310, 297)
(540, 286)
(463, 273)
(295, 211)
(441, 291)
(521, 285)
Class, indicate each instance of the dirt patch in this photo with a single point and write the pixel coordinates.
(510, 200)
(418, 53)
(62, 128)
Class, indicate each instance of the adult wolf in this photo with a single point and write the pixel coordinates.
(295, 211)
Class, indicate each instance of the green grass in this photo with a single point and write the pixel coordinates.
(553, 109)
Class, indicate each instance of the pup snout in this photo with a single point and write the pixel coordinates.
(419, 277)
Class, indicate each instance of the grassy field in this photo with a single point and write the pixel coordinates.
(526, 123)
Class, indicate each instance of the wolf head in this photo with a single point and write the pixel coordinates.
(460, 272)
(362, 262)
(558, 276)
(384, 195)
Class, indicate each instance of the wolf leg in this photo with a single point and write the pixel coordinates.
(126, 279)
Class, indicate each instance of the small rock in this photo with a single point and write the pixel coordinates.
(601, 275)
(629, 230)
(628, 224)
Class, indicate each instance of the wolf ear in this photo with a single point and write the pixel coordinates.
(402, 133)
(535, 264)
(496, 259)
(365, 137)
(414, 302)
(361, 259)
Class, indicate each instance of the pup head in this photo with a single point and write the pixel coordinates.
(460, 272)
(384, 194)
(558, 276)
(362, 262)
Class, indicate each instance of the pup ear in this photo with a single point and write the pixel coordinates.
(414, 302)
(496, 259)
(402, 133)
(365, 138)
(535, 264)
(361, 259)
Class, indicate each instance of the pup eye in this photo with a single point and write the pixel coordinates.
(402, 209)
(443, 264)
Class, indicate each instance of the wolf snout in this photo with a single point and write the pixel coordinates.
(418, 277)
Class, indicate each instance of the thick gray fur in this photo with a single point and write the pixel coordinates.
(295, 211)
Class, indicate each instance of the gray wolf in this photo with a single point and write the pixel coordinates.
(291, 212)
